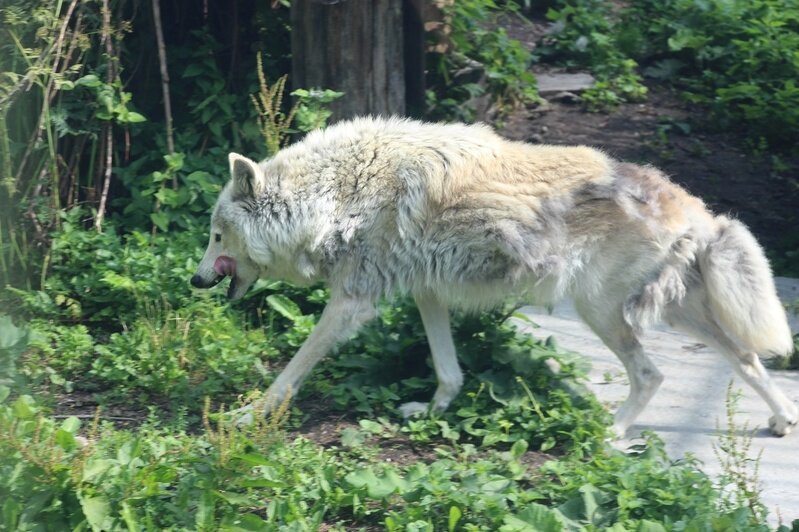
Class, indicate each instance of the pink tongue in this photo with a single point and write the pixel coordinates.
(225, 265)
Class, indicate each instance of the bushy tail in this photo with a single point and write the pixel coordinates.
(741, 290)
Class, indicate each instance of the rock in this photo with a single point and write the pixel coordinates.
(565, 97)
(555, 83)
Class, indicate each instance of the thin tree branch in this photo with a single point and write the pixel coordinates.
(159, 35)
(109, 127)
(109, 161)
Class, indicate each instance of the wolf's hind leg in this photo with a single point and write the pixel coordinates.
(700, 323)
(435, 318)
(645, 378)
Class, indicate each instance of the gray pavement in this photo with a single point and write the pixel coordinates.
(689, 408)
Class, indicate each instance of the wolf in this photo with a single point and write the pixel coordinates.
(459, 217)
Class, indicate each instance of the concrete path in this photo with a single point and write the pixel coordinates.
(690, 405)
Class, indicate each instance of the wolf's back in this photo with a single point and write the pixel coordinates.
(741, 290)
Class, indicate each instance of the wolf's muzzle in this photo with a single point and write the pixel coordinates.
(198, 282)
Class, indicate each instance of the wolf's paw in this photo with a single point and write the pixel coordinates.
(412, 409)
(618, 432)
(781, 425)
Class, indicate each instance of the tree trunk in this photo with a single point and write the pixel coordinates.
(353, 46)
(414, 15)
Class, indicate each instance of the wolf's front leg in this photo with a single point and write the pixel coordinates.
(342, 317)
(435, 318)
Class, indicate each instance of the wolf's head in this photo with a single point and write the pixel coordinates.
(227, 255)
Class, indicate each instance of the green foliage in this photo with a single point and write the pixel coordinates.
(273, 123)
(477, 43)
(181, 355)
(256, 478)
(103, 277)
(53, 105)
(57, 350)
(13, 341)
(739, 58)
(154, 198)
(586, 35)
(311, 111)
(214, 115)
(740, 472)
(110, 102)
(516, 387)
(521, 396)
(37, 486)
(620, 489)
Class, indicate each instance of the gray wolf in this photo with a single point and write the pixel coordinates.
(459, 217)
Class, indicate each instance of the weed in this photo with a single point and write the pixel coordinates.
(274, 124)
(739, 480)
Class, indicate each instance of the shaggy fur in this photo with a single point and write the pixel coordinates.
(459, 217)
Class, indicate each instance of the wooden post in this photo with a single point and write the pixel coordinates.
(353, 46)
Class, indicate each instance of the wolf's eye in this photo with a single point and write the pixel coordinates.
(217, 237)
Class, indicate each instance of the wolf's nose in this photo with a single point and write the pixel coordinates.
(196, 281)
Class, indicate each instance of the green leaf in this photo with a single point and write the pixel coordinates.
(64, 84)
(167, 197)
(89, 80)
(352, 437)
(371, 426)
(238, 499)
(161, 220)
(12, 338)
(71, 424)
(129, 516)
(174, 161)
(97, 511)
(10, 514)
(547, 444)
(534, 517)
(650, 526)
(25, 407)
(518, 449)
(192, 70)
(66, 440)
(204, 516)
(376, 487)
(260, 483)
(132, 117)
(252, 522)
(96, 468)
(284, 306)
(454, 516)
(495, 486)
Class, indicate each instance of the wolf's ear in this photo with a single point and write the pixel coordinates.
(248, 178)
